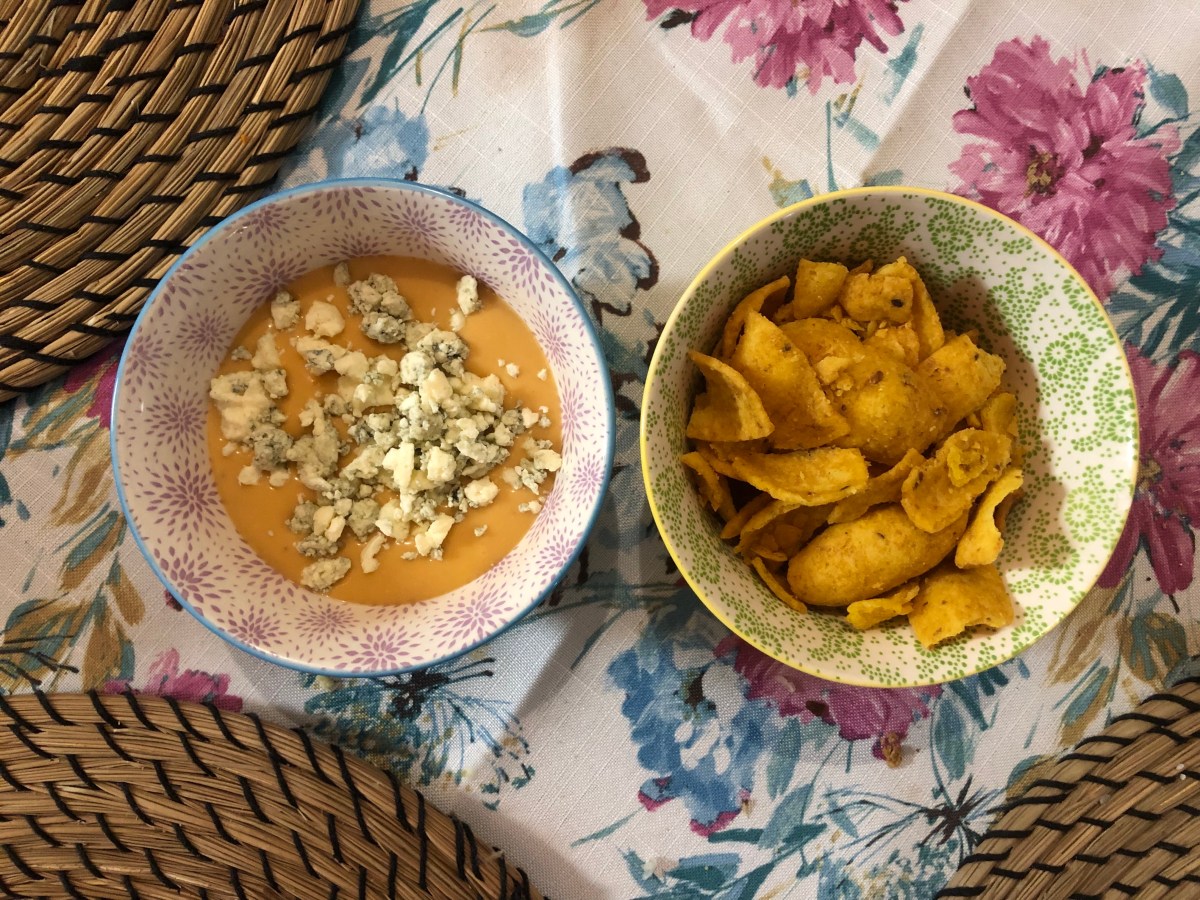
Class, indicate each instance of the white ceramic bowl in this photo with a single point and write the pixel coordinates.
(160, 459)
(1077, 415)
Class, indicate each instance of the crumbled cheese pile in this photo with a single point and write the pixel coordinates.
(419, 425)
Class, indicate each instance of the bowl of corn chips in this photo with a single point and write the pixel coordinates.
(889, 436)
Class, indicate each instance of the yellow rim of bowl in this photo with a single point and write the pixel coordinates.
(721, 256)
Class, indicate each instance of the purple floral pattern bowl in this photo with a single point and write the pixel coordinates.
(160, 458)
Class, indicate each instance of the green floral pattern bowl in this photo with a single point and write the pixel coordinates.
(1077, 415)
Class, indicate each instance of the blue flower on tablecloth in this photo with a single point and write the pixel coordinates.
(692, 724)
(579, 216)
(382, 141)
(703, 713)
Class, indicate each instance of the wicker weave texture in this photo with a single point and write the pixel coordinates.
(1117, 817)
(124, 796)
(126, 130)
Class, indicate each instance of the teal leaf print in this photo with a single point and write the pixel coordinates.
(402, 29)
(1168, 91)
(886, 177)
(785, 193)
(707, 875)
(1186, 668)
(782, 764)
(901, 66)
(1157, 642)
(950, 737)
(975, 692)
(1094, 688)
(93, 536)
(846, 121)
(787, 826)
(536, 23)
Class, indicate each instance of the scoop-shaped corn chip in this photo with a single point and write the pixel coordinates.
(730, 410)
(737, 523)
(961, 377)
(885, 402)
(867, 557)
(925, 320)
(761, 521)
(883, 488)
(982, 542)
(714, 455)
(713, 488)
(945, 487)
(805, 477)
(866, 614)
(765, 549)
(817, 287)
(821, 338)
(951, 600)
(999, 414)
(766, 299)
(778, 588)
(882, 295)
(789, 538)
(899, 341)
(784, 380)
(794, 530)
(777, 531)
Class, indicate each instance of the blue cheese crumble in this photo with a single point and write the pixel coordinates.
(425, 441)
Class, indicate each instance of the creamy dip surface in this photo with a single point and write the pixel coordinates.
(265, 484)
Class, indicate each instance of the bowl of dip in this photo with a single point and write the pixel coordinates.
(361, 426)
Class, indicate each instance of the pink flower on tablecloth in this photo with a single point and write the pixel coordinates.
(99, 372)
(1061, 154)
(1167, 500)
(165, 680)
(805, 40)
(881, 714)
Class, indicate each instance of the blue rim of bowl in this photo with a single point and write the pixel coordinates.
(739, 240)
(390, 183)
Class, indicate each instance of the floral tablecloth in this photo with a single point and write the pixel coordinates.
(619, 742)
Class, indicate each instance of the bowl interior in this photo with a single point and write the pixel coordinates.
(1076, 412)
(165, 479)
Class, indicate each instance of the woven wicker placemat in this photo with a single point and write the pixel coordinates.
(1117, 817)
(124, 796)
(127, 128)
